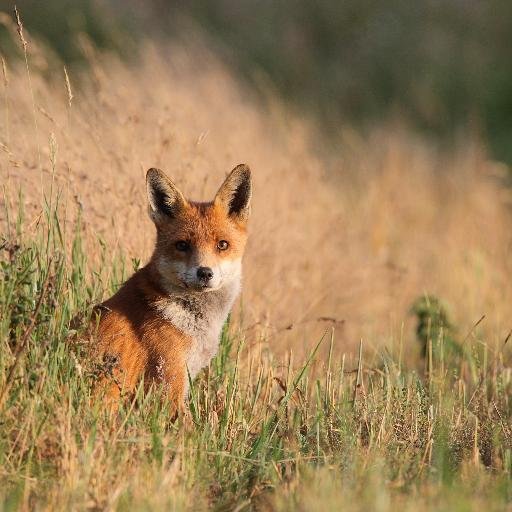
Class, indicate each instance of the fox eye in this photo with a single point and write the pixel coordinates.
(222, 245)
(182, 246)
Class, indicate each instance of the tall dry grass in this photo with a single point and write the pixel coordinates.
(350, 239)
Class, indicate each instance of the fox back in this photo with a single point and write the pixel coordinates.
(165, 322)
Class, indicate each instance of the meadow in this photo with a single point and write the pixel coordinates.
(326, 393)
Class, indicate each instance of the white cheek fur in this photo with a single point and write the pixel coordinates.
(229, 269)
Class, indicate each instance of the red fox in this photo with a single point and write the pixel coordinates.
(164, 323)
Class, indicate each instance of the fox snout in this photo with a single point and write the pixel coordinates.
(205, 278)
(204, 274)
(202, 278)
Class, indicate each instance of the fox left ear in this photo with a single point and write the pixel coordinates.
(165, 200)
(235, 193)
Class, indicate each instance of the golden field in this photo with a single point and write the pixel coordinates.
(353, 233)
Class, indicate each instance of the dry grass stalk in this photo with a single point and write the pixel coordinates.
(68, 87)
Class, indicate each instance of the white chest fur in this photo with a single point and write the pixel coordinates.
(200, 316)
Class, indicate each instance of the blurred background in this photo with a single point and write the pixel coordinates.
(443, 67)
(378, 133)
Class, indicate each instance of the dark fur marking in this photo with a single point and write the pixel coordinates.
(192, 305)
(240, 198)
(163, 202)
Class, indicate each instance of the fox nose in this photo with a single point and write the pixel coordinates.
(205, 273)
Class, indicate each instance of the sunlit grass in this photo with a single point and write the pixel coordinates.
(260, 431)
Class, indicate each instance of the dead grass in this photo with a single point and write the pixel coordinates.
(354, 237)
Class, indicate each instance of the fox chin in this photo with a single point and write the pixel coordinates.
(164, 323)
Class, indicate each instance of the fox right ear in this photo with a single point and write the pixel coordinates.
(235, 193)
(165, 200)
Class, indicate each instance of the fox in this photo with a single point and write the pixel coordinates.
(164, 324)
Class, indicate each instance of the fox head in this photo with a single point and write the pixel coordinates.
(199, 246)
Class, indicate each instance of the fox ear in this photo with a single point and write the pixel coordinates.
(235, 193)
(165, 200)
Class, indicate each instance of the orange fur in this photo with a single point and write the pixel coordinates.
(141, 340)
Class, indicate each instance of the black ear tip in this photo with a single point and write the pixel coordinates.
(243, 171)
(153, 173)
